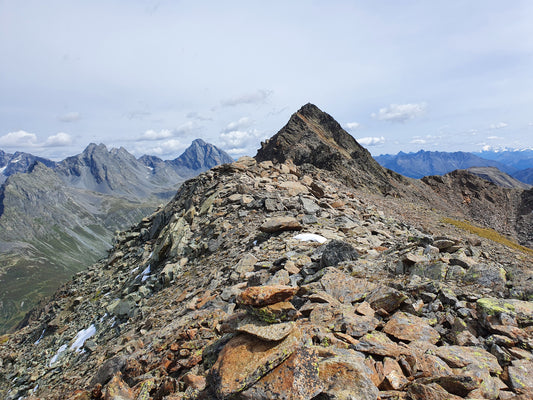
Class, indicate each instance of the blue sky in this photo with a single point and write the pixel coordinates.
(154, 75)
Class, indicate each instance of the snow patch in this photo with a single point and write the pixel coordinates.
(59, 351)
(310, 237)
(3, 169)
(146, 273)
(81, 337)
(40, 337)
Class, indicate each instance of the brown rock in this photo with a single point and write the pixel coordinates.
(295, 379)
(260, 296)
(394, 377)
(521, 374)
(459, 385)
(345, 376)
(279, 224)
(386, 298)
(195, 381)
(379, 343)
(410, 327)
(265, 331)
(279, 312)
(117, 389)
(461, 356)
(431, 365)
(245, 359)
(345, 288)
(419, 391)
(364, 308)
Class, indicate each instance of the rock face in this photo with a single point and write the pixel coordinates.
(198, 302)
(313, 137)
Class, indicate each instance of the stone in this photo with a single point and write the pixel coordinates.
(357, 326)
(309, 206)
(279, 224)
(294, 188)
(195, 381)
(266, 331)
(461, 356)
(344, 288)
(274, 313)
(108, 369)
(519, 309)
(378, 343)
(260, 296)
(430, 365)
(117, 389)
(337, 251)
(386, 298)
(409, 327)
(245, 359)
(245, 264)
(459, 385)
(345, 376)
(443, 243)
(521, 374)
(295, 379)
(394, 377)
(432, 391)
(488, 275)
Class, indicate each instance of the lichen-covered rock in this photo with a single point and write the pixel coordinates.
(279, 224)
(260, 296)
(410, 327)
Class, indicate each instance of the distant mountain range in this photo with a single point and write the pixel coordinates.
(518, 164)
(58, 217)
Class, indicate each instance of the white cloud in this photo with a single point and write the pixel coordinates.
(418, 141)
(197, 116)
(494, 137)
(499, 125)
(371, 141)
(18, 138)
(70, 117)
(240, 142)
(257, 97)
(150, 134)
(352, 126)
(241, 124)
(400, 112)
(60, 139)
(186, 128)
(166, 148)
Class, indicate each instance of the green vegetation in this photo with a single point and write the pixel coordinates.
(487, 234)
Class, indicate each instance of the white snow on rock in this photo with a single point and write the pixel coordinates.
(310, 237)
(146, 273)
(81, 337)
(59, 351)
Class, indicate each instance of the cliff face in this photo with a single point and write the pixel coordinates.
(265, 279)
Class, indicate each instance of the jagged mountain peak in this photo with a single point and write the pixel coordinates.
(201, 155)
(314, 137)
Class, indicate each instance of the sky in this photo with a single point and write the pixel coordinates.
(152, 76)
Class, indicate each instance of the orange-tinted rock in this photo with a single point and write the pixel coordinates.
(295, 379)
(344, 288)
(386, 298)
(278, 312)
(117, 389)
(278, 224)
(394, 377)
(245, 359)
(461, 356)
(521, 374)
(265, 331)
(260, 296)
(431, 365)
(345, 376)
(410, 327)
(459, 385)
(78, 395)
(365, 309)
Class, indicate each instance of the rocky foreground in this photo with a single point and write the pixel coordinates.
(270, 280)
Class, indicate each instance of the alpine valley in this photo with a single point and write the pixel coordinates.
(308, 272)
(58, 218)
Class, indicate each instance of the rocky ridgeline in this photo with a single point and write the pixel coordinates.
(264, 280)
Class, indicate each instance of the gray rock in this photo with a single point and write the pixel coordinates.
(337, 251)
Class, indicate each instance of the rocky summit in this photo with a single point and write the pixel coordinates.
(280, 278)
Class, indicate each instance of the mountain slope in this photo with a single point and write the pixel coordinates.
(57, 221)
(217, 296)
(525, 175)
(498, 177)
(426, 163)
(19, 162)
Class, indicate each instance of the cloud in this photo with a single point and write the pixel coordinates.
(150, 134)
(18, 138)
(352, 126)
(70, 117)
(258, 97)
(169, 147)
(371, 141)
(194, 115)
(138, 114)
(499, 125)
(241, 124)
(400, 112)
(60, 139)
(418, 141)
(494, 137)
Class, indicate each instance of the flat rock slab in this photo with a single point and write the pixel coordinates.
(378, 343)
(461, 356)
(521, 374)
(265, 331)
(409, 327)
(245, 359)
(261, 296)
(521, 310)
(432, 391)
(280, 224)
(294, 379)
(345, 377)
(343, 287)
